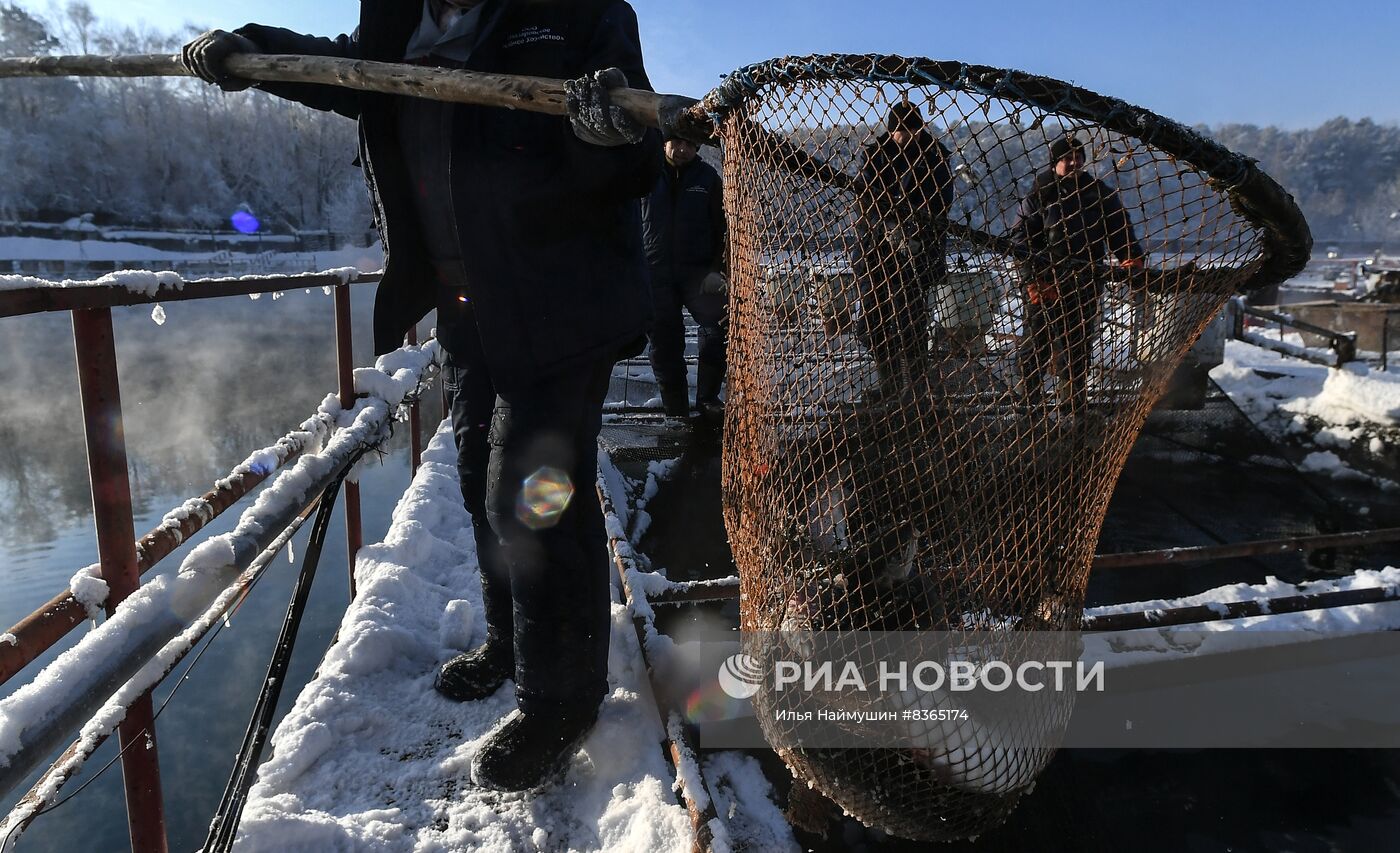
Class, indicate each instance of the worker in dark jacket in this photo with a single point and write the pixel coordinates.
(683, 228)
(905, 190)
(1069, 221)
(524, 231)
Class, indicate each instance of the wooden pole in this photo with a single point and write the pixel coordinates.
(533, 94)
(515, 92)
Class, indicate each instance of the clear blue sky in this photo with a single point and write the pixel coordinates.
(1292, 63)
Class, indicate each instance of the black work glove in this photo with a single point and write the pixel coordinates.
(715, 282)
(594, 118)
(204, 58)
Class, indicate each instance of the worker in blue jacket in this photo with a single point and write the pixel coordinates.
(684, 232)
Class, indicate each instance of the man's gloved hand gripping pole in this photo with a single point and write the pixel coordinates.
(588, 101)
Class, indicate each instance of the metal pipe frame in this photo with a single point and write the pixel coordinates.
(1262, 547)
(1343, 344)
(1218, 612)
(40, 630)
(122, 559)
(116, 546)
(345, 371)
(74, 297)
(46, 790)
(189, 596)
(725, 589)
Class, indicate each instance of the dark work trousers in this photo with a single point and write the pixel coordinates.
(1059, 340)
(895, 318)
(528, 463)
(669, 294)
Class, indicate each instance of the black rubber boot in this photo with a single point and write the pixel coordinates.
(676, 401)
(709, 378)
(477, 674)
(711, 413)
(528, 751)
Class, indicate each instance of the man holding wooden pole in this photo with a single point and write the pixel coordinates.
(523, 231)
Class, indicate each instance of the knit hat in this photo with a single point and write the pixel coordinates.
(1064, 146)
(904, 116)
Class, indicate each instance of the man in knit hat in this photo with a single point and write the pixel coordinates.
(906, 188)
(1069, 221)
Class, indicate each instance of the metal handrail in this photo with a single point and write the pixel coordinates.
(1343, 344)
(40, 630)
(90, 303)
(113, 291)
(125, 654)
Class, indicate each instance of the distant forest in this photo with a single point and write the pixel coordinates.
(174, 153)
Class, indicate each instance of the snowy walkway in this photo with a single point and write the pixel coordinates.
(371, 757)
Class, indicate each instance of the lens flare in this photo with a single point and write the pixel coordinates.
(713, 704)
(245, 222)
(543, 498)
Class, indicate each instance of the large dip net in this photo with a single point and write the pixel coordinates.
(942, 347)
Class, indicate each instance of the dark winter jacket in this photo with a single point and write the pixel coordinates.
(683, 225)
(1067, 224)
(549, 225)
(909, 187)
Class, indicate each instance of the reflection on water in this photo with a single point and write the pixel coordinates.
(219, 379)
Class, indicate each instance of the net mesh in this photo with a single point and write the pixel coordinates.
(942, 347)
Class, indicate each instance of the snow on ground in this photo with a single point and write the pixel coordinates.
(1354, 409)
(1154, 645)
(744, 799)
(46, 249)
(1352, 395)
(1367, 617)
(370, 757)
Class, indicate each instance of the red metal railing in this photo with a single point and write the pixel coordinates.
(121, 560)
(116, 549)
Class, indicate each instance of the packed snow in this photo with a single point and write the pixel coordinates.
(1370, 617)
(89, 589)
(371, 757)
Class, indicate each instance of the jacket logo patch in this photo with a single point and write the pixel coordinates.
(704, 190)
(531, 35)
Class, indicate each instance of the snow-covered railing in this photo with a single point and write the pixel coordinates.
(131, 652)
(37, 632)
(21, 294)
(90, 304)
(710, 831)
(1343, 344)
